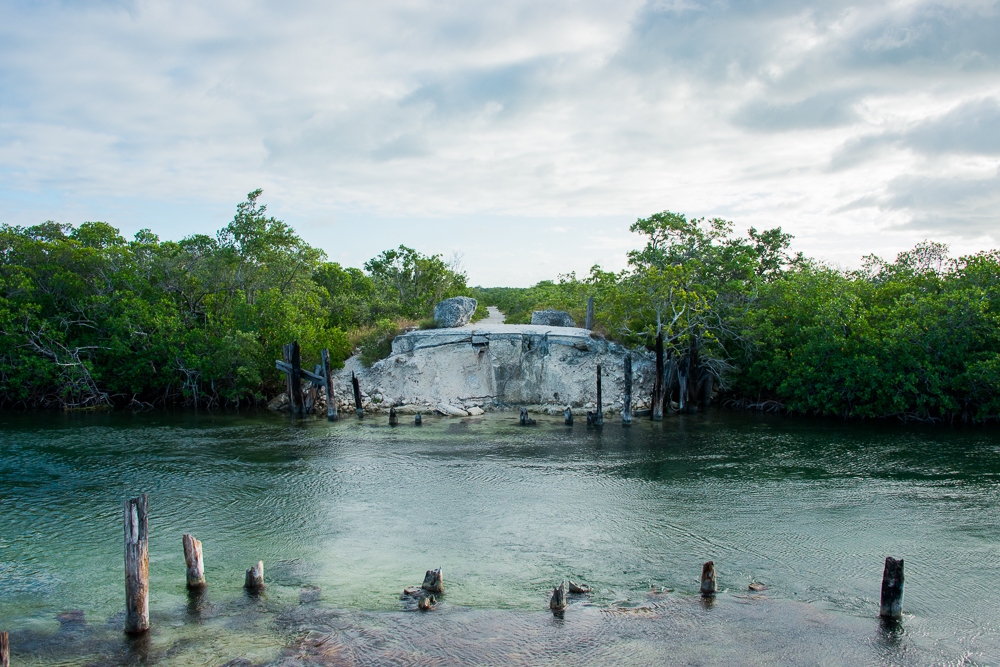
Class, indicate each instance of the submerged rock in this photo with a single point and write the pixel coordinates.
(455, 312)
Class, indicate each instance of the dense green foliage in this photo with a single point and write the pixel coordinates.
(89, 318)
(917, 338)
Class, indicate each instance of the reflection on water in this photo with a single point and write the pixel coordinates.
(345, 515)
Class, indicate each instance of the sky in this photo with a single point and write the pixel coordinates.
(526, 136)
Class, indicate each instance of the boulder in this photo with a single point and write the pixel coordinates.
(455, 312)
(552, 318)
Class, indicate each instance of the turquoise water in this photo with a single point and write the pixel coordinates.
(344, 515)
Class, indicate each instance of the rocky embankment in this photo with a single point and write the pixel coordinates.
(470, 369)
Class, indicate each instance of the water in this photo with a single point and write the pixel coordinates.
(346, 515)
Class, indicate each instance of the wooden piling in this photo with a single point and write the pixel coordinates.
(255, 578)
(286, 356)
(708, 580)
(558, 600)
(195, 563)
(656, 408)
(891, 606)
(433, 581)
(568, 416)
(627, 402)
(295, 398)
(600, 401)
(393, 420)
(4, 650)
(418, 420)
(136, 565)
(590, 314)
(357, 395)
(524, 419)
(331, 397)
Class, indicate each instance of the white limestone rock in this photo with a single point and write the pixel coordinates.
(455, 312)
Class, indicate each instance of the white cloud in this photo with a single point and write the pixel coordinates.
(426, 123)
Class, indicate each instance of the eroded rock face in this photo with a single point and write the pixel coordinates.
(455, 312)
(552, 318)
(501, 365)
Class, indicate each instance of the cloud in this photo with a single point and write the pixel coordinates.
(444, 114)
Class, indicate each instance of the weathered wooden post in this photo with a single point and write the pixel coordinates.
(392, 417)
(286, 356)
(525, 420)
(4, 650)
(433, 581)
(255, 578)
(627, 402)
(656, 411)
(708, 580)
(136, 565)
(331, 398)
(891, 606)
(195, 564)
(418, 420)
(295, 398)
(357, 395)
(600, 401)
(590, 314)
(558, 600)
(568, 416)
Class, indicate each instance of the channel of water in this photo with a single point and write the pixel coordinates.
(345, 515)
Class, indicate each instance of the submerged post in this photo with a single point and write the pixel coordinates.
(568, 416)
(590, 314)
(357, 395)
(255, 577)
(708, 579)
(331, 396)
(393, 420)
(891, 606)
(4, 650)
(195, 564)
(418, 420)
(295, 398)
(627, 402)
(656, 413)
(433, 581)
(136, 565)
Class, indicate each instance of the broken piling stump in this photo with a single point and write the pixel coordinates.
(568, 416)
(426, 603)
(136, 565)
(578, 589)
(525, 420)
(393, 420)
(433, 581)
(418, 420)
(4, 650)
(891, 606)
(558, 600)
(255, 578)
(195, 563)
(708, 580)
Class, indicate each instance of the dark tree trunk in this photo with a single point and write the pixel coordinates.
(357, 394)
(295, 398)
(627, 402)
(331, 397)
(656, 411)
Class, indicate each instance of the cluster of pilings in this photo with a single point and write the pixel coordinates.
(137, 578)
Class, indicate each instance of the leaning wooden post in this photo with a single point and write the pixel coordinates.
(255, 577)
(656, 413)
(357, 395)
(295, 398)
(891, 606)
(195, 563)
(331, 397)
(590, 313)
(708, 580)
(627, 403)
(136, 565)
(4, 650)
